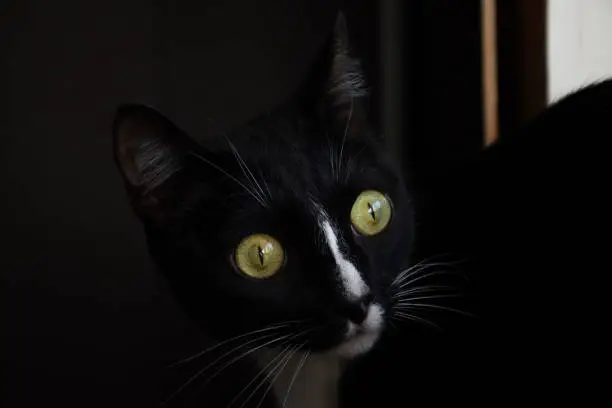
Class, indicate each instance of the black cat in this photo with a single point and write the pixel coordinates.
(296, 233)
(290, 232)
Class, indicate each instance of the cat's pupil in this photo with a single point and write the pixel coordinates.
(260, 255)
(372, 211)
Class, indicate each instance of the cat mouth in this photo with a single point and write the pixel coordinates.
(360, 343)
(359, 339)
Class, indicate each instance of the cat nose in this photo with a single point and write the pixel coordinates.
(357, 311)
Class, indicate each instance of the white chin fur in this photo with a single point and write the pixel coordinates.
(359, 344)
(360, 339)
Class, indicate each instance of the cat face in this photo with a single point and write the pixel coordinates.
(288, 231)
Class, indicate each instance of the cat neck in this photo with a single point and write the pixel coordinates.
(316, 384)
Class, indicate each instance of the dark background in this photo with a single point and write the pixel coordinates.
(84, 318)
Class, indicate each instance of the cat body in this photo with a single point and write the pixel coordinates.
(290, 241)
(523, 216)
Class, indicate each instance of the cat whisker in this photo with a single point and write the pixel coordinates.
(415, 273)
(407, 299)
(346, 129)
(419, 263)
(416, 306)
(233, 350)
(295, 375)
(414, 318)
(408, 270)
(234, 179)
(217, 345)
(263, 179)
(278, 373)
(245, 169)
(422, 267)
(427, 272)
(259, 374)
(423, 263)
(422, 289)
(331, 155)
(425, 275)
(287, 339)
(351, 164)
(249, 176)
(413, 270)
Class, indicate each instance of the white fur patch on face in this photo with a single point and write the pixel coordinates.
(361, 338)
(352, 282)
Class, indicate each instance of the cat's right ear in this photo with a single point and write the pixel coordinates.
(149, 156)
(342, 98)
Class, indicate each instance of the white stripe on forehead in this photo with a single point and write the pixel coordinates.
(351, 279)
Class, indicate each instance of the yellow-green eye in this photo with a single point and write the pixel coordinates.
(371, 212)
(259, 256)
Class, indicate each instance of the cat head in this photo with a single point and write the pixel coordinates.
(291, 228)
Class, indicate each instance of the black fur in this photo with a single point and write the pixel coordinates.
(516, 217)
(192, 200)
(524, 214)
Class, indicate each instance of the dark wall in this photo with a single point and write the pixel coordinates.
(442, 83)
(85, 321)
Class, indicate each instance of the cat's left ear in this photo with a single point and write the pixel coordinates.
(149, 153)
